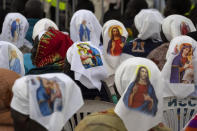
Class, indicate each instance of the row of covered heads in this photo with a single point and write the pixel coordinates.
(56, 71)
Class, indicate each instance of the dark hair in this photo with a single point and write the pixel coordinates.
(112, 14)
(163, 37)
(134, 30)
(2, 17)
(134, 7)
(34, 9)
(18, 6)
(177, 7)
(34, 49)
(85, 4)
(192, 35)
(138, 75)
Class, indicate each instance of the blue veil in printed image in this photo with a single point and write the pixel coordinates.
(140, 95)
(49, 96)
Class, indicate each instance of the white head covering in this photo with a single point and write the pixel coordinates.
(84, 26)
(11, 58)
(112, 58)
(137, 113)
(176, 25)
(14, 29)
(64, 96)
(42, 26)
(179, 73)
(148, 23)
(87, 63)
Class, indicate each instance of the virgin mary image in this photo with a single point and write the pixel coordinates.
(14, 62)
(84, 32)
(15, 29)
(49, 96)
(140, 95)
(90, 57)
(117, 41)
(182, 69)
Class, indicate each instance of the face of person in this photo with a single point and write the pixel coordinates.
(143, 74)
(186, 51)
(47, 83)
(13, 54)
(83, 22)
(115, 32)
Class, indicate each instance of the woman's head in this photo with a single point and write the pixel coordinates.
(50, 48)
(177, 7)
(148, 23)
(134, 7)
(176, 25)
(34, 9)
(185, 51)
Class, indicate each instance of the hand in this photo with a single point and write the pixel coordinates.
(148, 98)
(135, 89)
(122, 45)
(186, 66)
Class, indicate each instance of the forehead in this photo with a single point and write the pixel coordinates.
(143, 69)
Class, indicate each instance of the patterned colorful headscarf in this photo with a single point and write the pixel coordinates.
(52, 48)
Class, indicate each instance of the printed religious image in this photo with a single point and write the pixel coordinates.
(48, 95)
(140, 95)
(116, 42)
(84, 32)
(138, 47)
(90, 57)
(15, 30)
(14, 62)
(184, 28)
(182, 68)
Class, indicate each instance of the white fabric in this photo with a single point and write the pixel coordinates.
(112, 62)
(181, 90)
(14, 29)
(11, 58)
(92, 24)
(43, 25)
(91, 75)
(171, 26)
(138, 120)
(148, 23)
(25, 99)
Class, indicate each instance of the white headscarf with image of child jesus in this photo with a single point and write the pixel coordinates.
(86, 61)
(49, 99)
(138, 82)
(179, 73)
